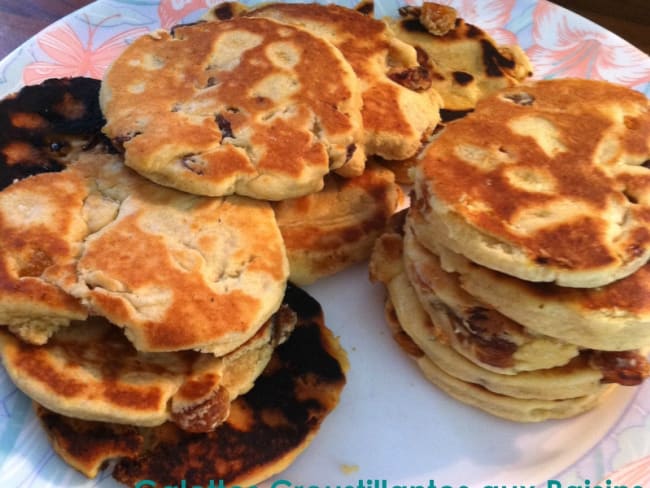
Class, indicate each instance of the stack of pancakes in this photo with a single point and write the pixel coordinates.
(151, 223)
(133, 309)
(518, 278)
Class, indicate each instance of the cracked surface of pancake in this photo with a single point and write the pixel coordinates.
(546, 182)
(43, 127)
(246, 106)
(330, 230)
(474, 328)
(466, 63)
(89, 370)
(399, 106)
(215, 265)
(489, 391)
(611, 318)
(267, 428)
(42, 227)
(144, 256)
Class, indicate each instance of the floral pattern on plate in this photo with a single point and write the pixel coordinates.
(559, 44)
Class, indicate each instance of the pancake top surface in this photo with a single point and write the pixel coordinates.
(267, 428)
(178, 271)
(466, 63)
(556, 173)
(90, 370)
(399, 105)
(246, 106)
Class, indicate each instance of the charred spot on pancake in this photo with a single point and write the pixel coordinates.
(412, 25)
(520, 98)
(224, 11)
(224, 127)
(89, 441)
(462, 78)
(39, 123)
(451, 115)
(173, 32)
(494, 60)
(366, 7)
(473, 32)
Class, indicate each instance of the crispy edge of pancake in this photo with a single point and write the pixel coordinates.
(320, 239)
(301, 384)
(476, 186)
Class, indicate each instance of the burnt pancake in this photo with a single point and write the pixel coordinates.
(267, 428)
(330, 230)
(399, 105)
(546, 182)
(466, 63)
(247, 106)
(90, 371)
(43, 127)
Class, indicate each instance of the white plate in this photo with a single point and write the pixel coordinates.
(391, 424)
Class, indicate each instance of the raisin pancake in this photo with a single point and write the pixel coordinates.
(467, 64)
(330, 230)
(267, 428)
(247, 106)
(474, 328)
(147, 258)
(546, 182)
(525, 397)
(90, 371)
(615, 317)
(399, 105)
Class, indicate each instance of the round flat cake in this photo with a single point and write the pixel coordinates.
(546, 182)
(332, 229)
(247, 106)
(399, 105)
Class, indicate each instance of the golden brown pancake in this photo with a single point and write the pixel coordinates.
(144, 256)
(330, 230)
(525, 397)
(241, 106)
(90, 371)
(267, 428)
(546, 182)
(466, 63)
(399, 106)
(473, 327)
(614, 317)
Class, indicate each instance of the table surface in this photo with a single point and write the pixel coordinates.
(21, 19)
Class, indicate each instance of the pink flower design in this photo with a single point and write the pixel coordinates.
(635, 473)
(70, 56)
(565, 45)
(172, 12)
